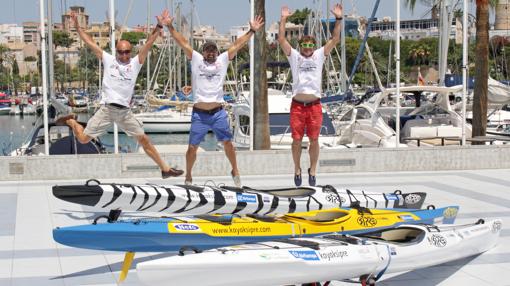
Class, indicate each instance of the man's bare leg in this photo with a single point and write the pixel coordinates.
(230, 152)
(78, 131)
(314, 155)
(191, 157)
(296, 155)
(151, 151)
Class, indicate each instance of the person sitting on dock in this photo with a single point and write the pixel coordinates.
(306, 109)
(209, 70)
(119, 80)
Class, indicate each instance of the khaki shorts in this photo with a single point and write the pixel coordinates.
(107, 115)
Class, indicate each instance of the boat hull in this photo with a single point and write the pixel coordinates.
(326, 258)
(197, 200)
(172, 234)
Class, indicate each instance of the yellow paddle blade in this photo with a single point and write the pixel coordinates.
(128, 260)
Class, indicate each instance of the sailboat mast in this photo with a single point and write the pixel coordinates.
(397, 76)
(148, 59)
(50, 49)
(343, 55)
(112, 47)
(44, 79)
(464, 67)
(170, 4)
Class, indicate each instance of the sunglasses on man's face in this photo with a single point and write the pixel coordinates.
(307, 45)
(124, 52)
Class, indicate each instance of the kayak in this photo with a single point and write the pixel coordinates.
(324, 258)
(210, 231)
(185, 200)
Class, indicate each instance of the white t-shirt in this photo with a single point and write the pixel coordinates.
(208, 79)
(306, 72)
(119, 80)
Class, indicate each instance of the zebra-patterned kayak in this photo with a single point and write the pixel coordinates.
(325, 258)
(197, 200)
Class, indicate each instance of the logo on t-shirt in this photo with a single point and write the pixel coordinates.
(209, 72)
(307, 67)
(122, 73)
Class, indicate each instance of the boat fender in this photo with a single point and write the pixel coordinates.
(431, 207)
(87, 183)
(183, 249)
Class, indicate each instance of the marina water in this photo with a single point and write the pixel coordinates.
(16, 130)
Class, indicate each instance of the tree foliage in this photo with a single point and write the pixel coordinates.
(62, 39)
(133, 37)
(299, 16)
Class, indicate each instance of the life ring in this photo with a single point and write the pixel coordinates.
(186, 89)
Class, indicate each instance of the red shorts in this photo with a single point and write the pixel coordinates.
(307, 118)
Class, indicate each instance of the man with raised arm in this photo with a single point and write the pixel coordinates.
(119, 81)
(208, 75)
(306, 110)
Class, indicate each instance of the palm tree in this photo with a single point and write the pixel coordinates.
(260, 102)
(433, 4)
(481, 68)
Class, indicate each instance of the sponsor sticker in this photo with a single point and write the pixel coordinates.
(332, 198)
(333, 254)
(496, 226)
(186, 226)
(247, 198)
(406, 217)
(367, 221)
(412, 199)
(450, 212)
(273, 256)
(438, 240)
(308, 255)
(391, 197)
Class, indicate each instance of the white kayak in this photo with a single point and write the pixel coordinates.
(198, 200)
(324, 258)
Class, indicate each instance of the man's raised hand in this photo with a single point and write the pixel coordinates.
(337, 11)
(257, 23)
(74, 18)
(286, 12)
(163, 17)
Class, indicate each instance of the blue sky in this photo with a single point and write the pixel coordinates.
(219, 13)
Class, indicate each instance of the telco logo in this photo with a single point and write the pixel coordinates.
(304, 254)
(245, 198)
(406, 217)
(186, 227)
(391, 197)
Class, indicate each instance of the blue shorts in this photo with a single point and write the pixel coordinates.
(202, 122)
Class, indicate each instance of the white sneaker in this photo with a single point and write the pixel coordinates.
(237, 179)
(188, 183)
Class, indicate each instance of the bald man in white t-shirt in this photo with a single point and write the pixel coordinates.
(119, 81)
(306, 110)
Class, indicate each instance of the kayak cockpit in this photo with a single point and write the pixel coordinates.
(397, 235)
(299, 192)
(322, 216)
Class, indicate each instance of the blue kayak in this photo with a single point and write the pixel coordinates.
(211, 231)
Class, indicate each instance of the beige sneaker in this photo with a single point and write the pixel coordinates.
(237, 179)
